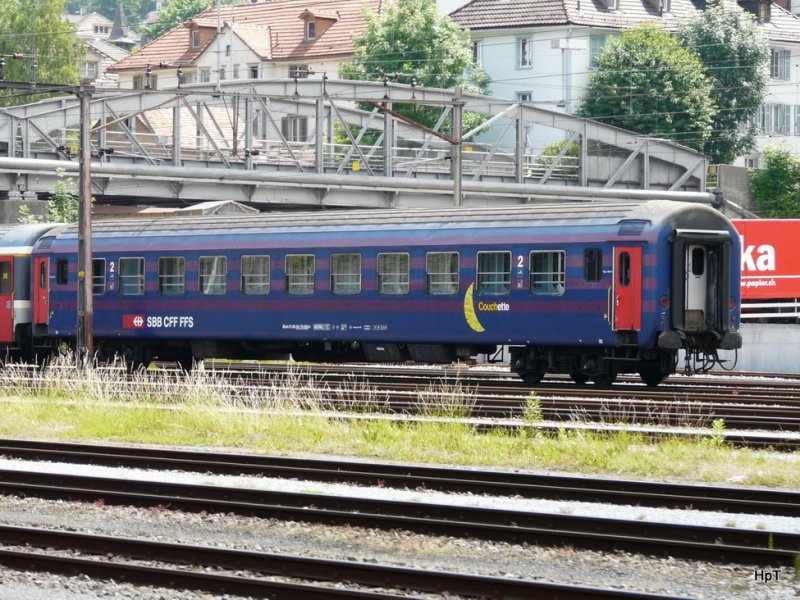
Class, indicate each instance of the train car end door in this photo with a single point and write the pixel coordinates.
(41, 291)
(6, 299)
(627, 290)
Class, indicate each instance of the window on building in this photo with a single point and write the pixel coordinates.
(441, 273)
(547, 272)
(346, 273)
(665, 5)
(612, 4)
(213, 276)
(90, 70)
(98, 276)
(774, 119)
(131, 276)
(311, 30)
(393, 273)
(138, 82)
(171, 275)
(196, 38)
(592, 264)
(222, 75)
(780, 64)
(205, 74)
(524, 55)
(299, 71)
(295, 129)
(236, 71)
(253, 71)
(494, 273)
(228, 50)
(255, 275)
(596, 43)
(299, 274)
(477, 52)
(62, 271)
(524, 96)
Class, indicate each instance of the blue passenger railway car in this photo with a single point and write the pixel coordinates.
(589, 290)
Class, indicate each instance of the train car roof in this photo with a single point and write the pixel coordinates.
(658, 212)
(17, 237)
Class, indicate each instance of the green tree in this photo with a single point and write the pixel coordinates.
(776, 187)
(173, 14)
(50, 51)
(63, 206)
(412, 41)
(645, 81)
(736, 56)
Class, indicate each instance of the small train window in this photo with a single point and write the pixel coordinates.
(698, 261)
(393, 273)
(131, 276)
(624, 268)
(62, 271)
(98, 276)
(5, 278)
(213, 277)
(441, 273)
(255, 275)
(171, 275)
(345, 274)
(299, 274)
(593, 264)
(494, 273)
(548, 272)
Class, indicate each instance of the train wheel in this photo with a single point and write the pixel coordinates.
(532, 377)
(652, 376)
(578, 377)
(604, 379)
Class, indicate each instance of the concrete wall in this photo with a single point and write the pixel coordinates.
(767, 347)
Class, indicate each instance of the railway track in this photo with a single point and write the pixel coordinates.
(249, 573)
(759, 547)
(469, 481)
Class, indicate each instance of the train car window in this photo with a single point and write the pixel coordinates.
(98, 276)
(624, 268)
(494, 273)
(171, 275)
(346, 274)
(547, 272)
(5, 278)
(299, 274)
(393, 273)
(698, 261)
(131, 276)
(255, 275)
(62, 271)
(593, 264)
(213, 276)
(441, 273)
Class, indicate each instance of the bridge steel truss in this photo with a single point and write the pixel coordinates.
(334, 143)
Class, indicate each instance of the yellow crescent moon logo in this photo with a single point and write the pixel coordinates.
(469, 312)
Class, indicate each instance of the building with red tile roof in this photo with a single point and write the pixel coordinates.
(263, 40)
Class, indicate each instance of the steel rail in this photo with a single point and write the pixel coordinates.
(729, 545)
(288, 566)
(445, 479)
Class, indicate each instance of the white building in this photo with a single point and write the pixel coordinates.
(542, 52)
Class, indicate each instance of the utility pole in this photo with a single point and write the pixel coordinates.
(84, 348)
(84, 342)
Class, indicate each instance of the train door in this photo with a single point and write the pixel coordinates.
(696, 288)
(627, 291)
(6, 299)
(41, 291)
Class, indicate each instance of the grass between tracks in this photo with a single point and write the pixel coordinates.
(290, 415)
